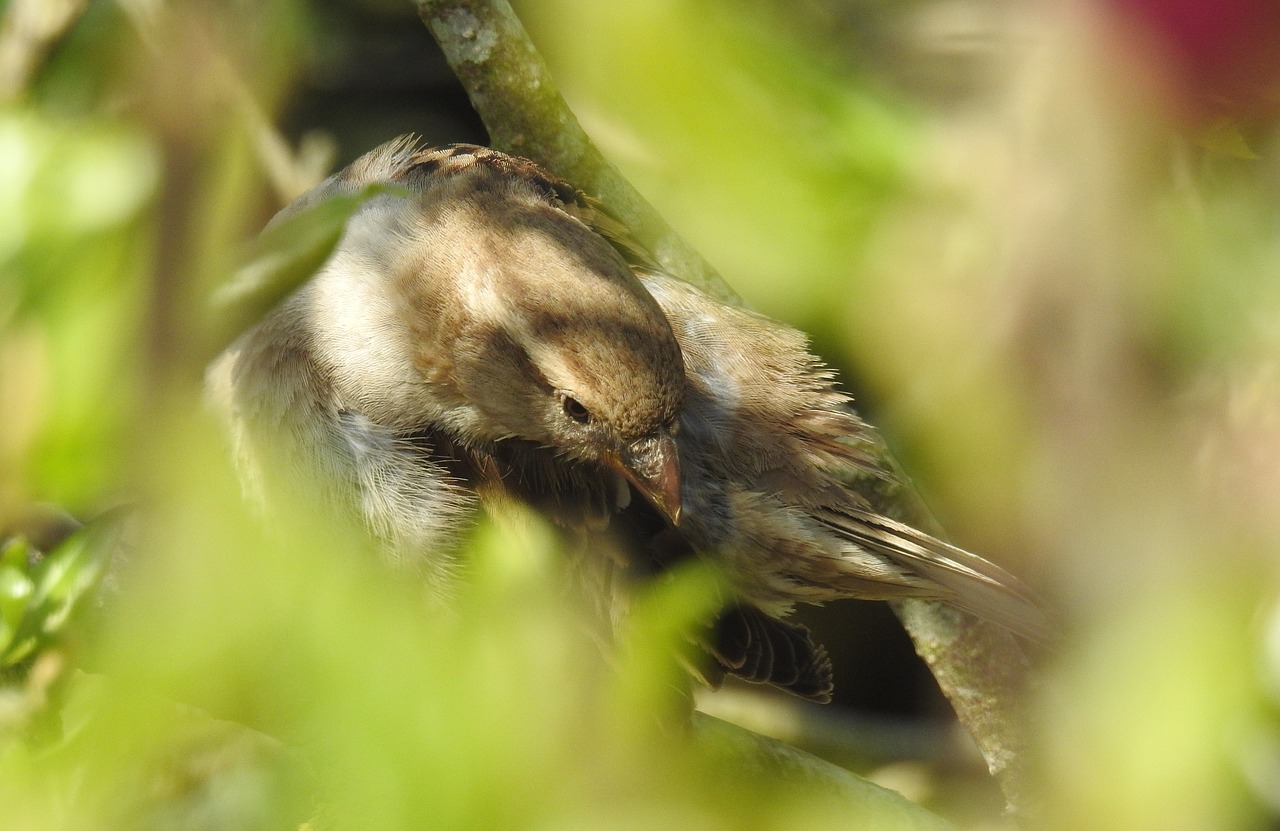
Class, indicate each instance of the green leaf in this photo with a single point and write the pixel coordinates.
(1225, 139)
(287, 254)
(38, 602)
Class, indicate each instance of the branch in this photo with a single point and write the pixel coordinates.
(28, 32)
(978, 665)
(878, 806)
(515, 96)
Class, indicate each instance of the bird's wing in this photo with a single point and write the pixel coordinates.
(765, 409)
(775, 448)
(763, 649)
(963, 579)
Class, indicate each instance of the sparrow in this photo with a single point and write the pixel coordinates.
(484, 334)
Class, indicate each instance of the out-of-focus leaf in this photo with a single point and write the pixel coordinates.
(72, 251)
(45, 593)
(16, 587)
(287, 254)
(866, 802)
(661, 623)
(61, 185)
(1226, 139)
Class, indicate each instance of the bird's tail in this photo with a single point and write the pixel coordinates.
(933, 568)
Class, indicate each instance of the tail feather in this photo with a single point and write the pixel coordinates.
(965, 580)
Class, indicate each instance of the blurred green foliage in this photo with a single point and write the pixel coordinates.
(39, 594)
(75, 250)
(1070, 326)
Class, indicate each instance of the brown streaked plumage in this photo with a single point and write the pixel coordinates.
(493, 335)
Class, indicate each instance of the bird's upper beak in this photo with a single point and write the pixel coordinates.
(652, 465)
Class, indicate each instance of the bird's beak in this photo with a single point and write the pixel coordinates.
(652, 465)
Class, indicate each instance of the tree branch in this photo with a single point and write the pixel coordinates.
(514, 94)
(979, 666)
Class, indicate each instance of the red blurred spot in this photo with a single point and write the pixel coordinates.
(1222, 56)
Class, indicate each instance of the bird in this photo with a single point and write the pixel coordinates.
(486, 334)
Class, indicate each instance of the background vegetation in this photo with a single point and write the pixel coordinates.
(1040, 241)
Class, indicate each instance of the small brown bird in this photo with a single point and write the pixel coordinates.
(487, 333)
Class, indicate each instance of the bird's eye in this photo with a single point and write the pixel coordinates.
(574, 410)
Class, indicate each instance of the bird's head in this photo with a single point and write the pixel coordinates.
(474, 297)
(544, 334)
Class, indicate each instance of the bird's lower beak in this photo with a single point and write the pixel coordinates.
(653, 466)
